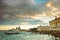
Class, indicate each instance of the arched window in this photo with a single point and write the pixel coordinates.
(58, 21)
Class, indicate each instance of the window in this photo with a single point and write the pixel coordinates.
(58, 21)
(56, 24)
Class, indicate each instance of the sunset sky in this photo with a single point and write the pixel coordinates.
(27, 13)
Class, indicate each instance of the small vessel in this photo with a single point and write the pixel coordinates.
(12, 32)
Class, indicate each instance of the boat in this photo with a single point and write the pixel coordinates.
(12, 32)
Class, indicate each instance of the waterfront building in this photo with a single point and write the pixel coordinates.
(55, 22)
(43, 28)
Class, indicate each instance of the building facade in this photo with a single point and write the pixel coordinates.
(43, 28)
(55, 23)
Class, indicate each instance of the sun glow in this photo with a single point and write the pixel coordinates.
(53, 9)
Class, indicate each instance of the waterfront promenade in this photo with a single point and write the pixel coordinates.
(54, 33)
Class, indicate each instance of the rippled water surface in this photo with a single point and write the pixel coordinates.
(25, 36)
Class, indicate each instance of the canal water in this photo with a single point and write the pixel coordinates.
(25, 36)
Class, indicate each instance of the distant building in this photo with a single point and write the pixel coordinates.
(18, 28)
(43, 28)
(55, 23)
(33, 29)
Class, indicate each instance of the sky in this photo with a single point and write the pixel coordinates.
(28, 13)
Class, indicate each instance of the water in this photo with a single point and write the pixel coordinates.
(25, 36)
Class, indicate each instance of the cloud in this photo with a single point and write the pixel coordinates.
(15, 12)
(18, 3)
